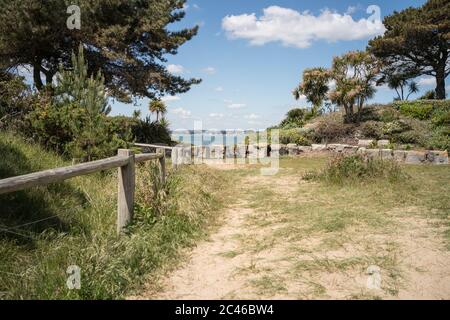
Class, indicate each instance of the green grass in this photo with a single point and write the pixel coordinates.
(77, 227)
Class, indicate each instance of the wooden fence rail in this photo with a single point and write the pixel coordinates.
(125, 161)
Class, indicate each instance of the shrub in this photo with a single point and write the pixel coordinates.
(15, 99)
(342, 169)
(331, 127)
(439, 139)
(422, 109)
(293, 136)
(389, 115)
(372, 129)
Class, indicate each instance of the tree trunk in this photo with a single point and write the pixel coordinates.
(37, 76)
(440, 83)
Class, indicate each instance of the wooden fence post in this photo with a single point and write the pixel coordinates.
(125, 195)
(162, 162)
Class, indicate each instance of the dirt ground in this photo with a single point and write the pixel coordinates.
(281, 237)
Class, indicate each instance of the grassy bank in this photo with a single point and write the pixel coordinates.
(45, 230)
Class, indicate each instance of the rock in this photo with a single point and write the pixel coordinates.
(240, 151)
(229, 152)
(318, 147)
(383, 143)
(364, 143)
(283, 150)
(217, 152)
(262, 151)
(304, 149)
(252, 151)
(415, 157)
(386, 154)
(350, 149)
(361, 151)
(437, 157)
(399, 155)
(373, 153)
(292, 149)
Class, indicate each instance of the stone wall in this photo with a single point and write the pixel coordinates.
(193, 154)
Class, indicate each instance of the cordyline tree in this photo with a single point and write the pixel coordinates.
(417, 41)
(354, 73)
(126, 40)
(314, 87)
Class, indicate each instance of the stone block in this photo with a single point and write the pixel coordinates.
(415, 157)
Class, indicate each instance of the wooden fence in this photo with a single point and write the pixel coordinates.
(125, 161)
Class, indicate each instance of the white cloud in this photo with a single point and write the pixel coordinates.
(218, 89)
(428, 81)
(236, 105)
(175, 69)
(170, 98)
(298, 29)
(351, 9)
(216, 115)
(252, 116)
(182, 113)
(195, 6)
(209, 70)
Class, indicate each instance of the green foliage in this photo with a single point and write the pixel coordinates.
(297, 117)
(429, 95)
(73, 120)
(126, 40)
(314, 87)
(350, 169)
(354, 73)
(158, 107)
(15, 98)
(293, 136)
(416, 42)
(416, 109)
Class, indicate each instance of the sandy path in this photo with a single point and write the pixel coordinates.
(225, 266)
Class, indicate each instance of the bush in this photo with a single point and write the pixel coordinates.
(15, 99)
(331, 127)
(293, 136)
(421, 109)
(342, 169)
(372, 129)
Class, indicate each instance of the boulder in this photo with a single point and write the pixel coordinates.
(304, 149)
(399, 155)
(383, 143)
(318, 147)
(415, 157)
(283, 150)
(292, 149)
(364, 143)
(437, 157)
(386, 154)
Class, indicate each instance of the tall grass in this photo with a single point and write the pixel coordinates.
(355, 169)
(77, 227)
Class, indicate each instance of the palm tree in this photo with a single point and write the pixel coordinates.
(158, 107)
